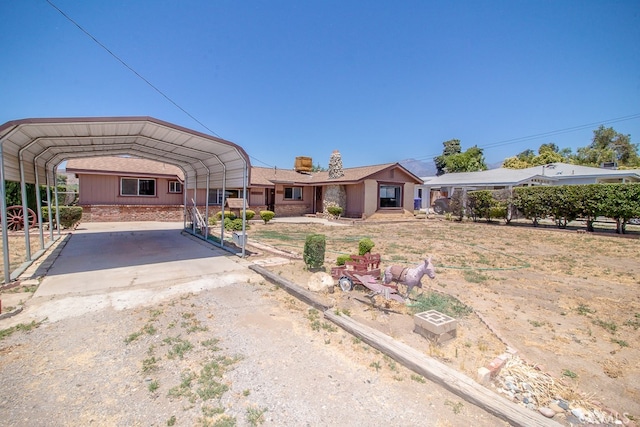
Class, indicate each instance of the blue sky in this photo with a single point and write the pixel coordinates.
(380, 81)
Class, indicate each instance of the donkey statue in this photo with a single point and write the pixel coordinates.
(409, 277)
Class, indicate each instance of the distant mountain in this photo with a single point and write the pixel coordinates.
(419, 167)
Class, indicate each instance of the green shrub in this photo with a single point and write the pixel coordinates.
(334, 210)
(213, 220)
(267, 216)
(227, 214)
(314, 248)
(249, 214)
(233, 224)
(70, 216)
(365, 245)
(342, 259)
(499, 212)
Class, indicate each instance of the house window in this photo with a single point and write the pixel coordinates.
(390, 196)
(137, 187)
(215, 195)
(175, 187)
(293, 193)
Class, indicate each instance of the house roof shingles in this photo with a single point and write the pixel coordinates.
(261, 176)
(122, 165)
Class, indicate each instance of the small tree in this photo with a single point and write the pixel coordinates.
(314, 248)
(267, 216)
(365, 245)
(250, 214)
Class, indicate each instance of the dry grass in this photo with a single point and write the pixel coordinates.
(564, 300)
(16, 243)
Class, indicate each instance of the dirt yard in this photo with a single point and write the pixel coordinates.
(17, 247)
(567, 301)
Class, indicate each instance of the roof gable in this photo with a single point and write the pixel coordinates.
(271, 176)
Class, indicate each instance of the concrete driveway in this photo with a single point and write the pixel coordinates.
(123, 265)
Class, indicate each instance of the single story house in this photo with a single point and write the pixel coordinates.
(126, 188)
(503, 178)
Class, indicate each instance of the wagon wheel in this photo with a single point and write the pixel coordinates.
(345, 283)
(15, 218)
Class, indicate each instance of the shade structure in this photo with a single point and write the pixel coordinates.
(32, 149)
(42, 144)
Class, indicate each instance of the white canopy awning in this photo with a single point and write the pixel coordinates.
(32, 149)
(42, 144)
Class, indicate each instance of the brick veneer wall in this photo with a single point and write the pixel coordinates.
(115, 213)
(292, 210)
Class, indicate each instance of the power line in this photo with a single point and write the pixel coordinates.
(130, 68)
(543, 134)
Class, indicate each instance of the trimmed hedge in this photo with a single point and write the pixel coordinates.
(563, 203)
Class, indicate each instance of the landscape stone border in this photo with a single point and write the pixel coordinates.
(414, 360)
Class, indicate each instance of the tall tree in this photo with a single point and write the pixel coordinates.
(547, 153)
(454, 160)
(608, 146)
(451, 147)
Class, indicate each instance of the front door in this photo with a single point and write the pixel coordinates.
(269, 197)
(318, 201)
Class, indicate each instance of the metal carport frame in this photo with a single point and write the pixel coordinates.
(32, 149)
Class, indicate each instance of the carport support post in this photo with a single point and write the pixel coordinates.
(224, 201)
(3, 213)
(194, 199)
(49, 211)
(184, 202)
(25, 211)
(206, 207)
(39, 205)
(244, 208)
(55, 194)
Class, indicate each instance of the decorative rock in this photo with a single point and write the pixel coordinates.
(578, 413)
(547, 412)
(556, 408)
(320, 282)
(563, 404)
(572, 420)
(484, 376)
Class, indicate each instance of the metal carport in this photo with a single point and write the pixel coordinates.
(32, 149)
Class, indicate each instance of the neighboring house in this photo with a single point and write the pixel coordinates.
(503, 178)
(124, 188)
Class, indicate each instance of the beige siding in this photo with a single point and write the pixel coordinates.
(407, 192)
(257, 196)
(355, 201)
(371, 201)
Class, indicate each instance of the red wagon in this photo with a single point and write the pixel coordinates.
(361, 265)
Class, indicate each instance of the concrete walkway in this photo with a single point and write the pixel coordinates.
(123, 265)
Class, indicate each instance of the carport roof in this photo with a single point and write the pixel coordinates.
(41, 144)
